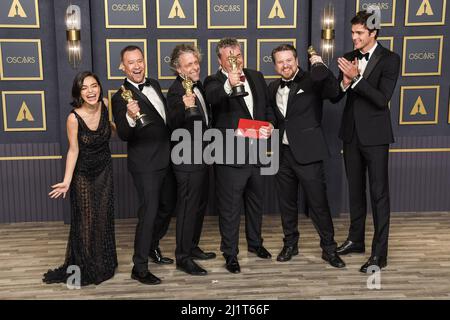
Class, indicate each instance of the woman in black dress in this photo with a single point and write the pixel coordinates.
(88, 175)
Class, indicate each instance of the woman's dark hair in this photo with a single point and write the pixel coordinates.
(77, 101)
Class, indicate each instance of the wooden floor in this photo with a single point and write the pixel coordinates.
(418, 266)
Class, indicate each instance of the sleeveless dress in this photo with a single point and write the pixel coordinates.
(91, 244)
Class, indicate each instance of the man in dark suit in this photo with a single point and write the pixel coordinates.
(297, 100)
(148, 160)
(186, 111)
(368, 76)
(238, 184)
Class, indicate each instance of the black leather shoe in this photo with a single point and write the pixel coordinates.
(189, 266)
(145, 277)
(198, 253)
(232, 265)
(333, 259)
(380, 262)
(349, 247)
(260, 252)
(287, 253)
(158, 258)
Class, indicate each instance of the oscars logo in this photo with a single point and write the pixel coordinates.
(177, 11)
(24, 113)
(277, 11)
(419, 108)
(425, 8)
(21, 60)
(16, 10)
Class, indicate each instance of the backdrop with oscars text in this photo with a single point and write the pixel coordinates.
(36, 80)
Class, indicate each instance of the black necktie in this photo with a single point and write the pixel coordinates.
(145, 84)
(360, 55)
(286, 83)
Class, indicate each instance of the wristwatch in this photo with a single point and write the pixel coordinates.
(356, 78)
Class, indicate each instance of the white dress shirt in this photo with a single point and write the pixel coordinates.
(248, 98)
(153, 97)
(282, 100)
(362, 64)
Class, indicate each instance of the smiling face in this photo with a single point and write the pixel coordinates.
(90, 91)
(133, 64)
(363, 40)
(286, 64)
(225, 53)
(189, 65)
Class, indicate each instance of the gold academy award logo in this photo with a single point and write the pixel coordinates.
(277, 14)
(176, 13)
(19, 14)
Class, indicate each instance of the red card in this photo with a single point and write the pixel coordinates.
(250, 128)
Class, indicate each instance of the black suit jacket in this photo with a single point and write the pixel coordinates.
(180, 117)
(227, 111)
(149, 147)
(366, 109)
(304, 115)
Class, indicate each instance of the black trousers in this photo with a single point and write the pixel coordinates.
(311, 178)
(192, 199)
(156, 196)
(239, 188)
(374, 159)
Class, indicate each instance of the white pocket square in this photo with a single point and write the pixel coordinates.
(300, 91)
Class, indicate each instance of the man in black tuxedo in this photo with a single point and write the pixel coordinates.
(148, 160)
(297, 99)
(187, 110)
(368, 76)
(238, 184)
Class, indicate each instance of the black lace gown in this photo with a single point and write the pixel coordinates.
(91, 244)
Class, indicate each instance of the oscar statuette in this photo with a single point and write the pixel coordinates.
(141, 118)
(319, 70)
(239, 89)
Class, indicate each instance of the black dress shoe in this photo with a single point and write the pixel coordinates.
(198, 253)
(158, 258)
(189, 266)
(378, 261)
(260, 252)
(333, 259)
(287, 253)
(232, 265)
(350, 246)
(145, 277)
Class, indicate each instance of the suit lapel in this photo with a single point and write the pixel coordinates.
(294, 88)
(255, 96)
(377, 54)
(205, 116)
(156, 87)
(273, 93)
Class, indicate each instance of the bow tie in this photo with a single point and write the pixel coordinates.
(360, 55)
(145, 84)
(286, 83)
